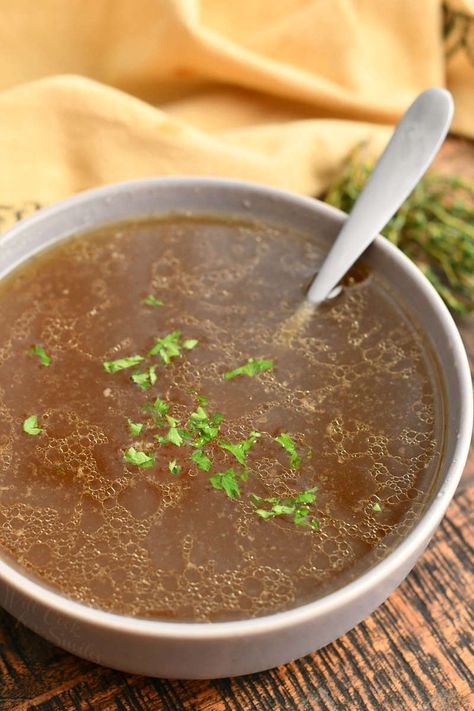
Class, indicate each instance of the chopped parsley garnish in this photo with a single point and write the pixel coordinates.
(113, 366)
(228, 482)
(203, 427)
(174, 467)
(199, 415)
(173, 435)
(30, 425)
(200, 429)
(146, 379)
(135, 428)
(201, 459)
(41, 353)
(206, 430)
(140, 459)
(151, 300)
(152, 374)
(376, 507)
(252, 367)
(158, 409)
(287, 443)
(298, 507)
(167, 347)
(240, 449)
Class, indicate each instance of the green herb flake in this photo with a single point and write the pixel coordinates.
(263, 513)
(301, 517)
(135, 428)
(152, 374)
(202, 426)
(151, 300)
(39, 351)
(146, 379)
(376, 507)
(141, 379)
(298, 507)
(306, 497)
(113, 366)
(226, 481)
(174, 467)
(158, 409)
(240, 449)
(201, 459)
(185, 435)
(173, 435)
(167, 347)
(31, 427)
(287, 443)
(140, 459)
(199, 415)
(160, 406)
(251, 368)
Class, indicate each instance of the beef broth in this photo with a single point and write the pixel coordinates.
(343, 425)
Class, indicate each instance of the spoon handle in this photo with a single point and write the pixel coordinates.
(413, 145)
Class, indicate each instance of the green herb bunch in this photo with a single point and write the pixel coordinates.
(434, 227)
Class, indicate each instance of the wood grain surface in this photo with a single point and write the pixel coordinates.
(414, 653)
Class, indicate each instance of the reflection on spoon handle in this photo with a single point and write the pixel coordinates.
(412, 147)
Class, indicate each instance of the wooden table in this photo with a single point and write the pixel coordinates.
(415, 652)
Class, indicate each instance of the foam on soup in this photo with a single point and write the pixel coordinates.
(218, 466)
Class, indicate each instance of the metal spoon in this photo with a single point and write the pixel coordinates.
(413, 145)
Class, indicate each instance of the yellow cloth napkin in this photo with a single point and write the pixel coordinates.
(278, 91)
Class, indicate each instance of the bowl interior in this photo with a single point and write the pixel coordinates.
(158, 197)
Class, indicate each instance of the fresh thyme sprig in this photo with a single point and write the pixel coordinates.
(434, 227)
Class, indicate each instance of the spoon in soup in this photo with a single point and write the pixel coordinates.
(413, 145)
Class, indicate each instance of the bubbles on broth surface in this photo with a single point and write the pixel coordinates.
(353, 383)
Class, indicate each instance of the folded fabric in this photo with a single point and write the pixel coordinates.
(278, 92)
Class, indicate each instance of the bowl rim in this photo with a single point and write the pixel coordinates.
(340, 597)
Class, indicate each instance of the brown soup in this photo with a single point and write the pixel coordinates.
(140, 473)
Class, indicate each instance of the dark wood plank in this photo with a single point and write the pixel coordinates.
(414, 652)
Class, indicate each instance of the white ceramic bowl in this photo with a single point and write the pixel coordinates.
(186, 650)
